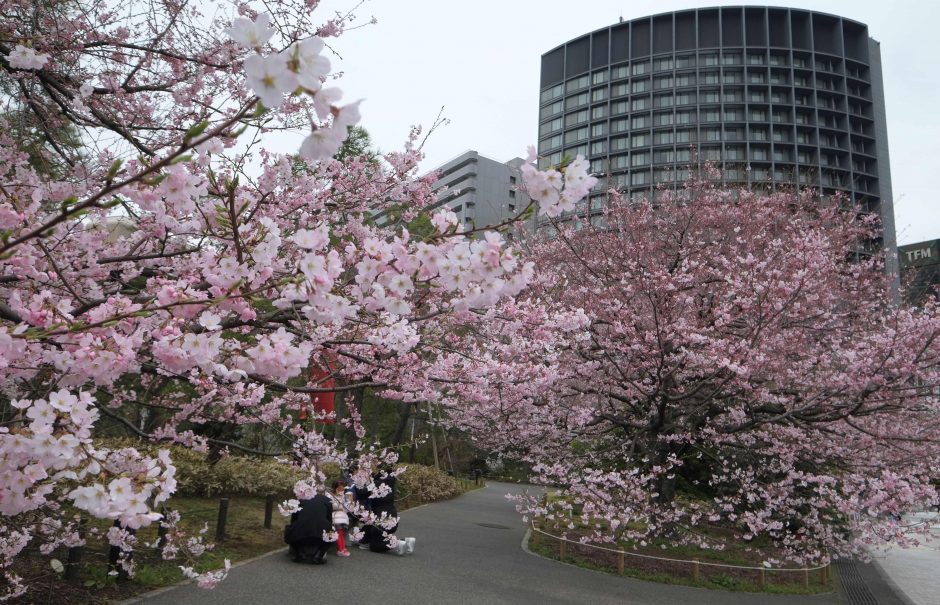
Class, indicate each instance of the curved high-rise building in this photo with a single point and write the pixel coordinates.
(775, 96)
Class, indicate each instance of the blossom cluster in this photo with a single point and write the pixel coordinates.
(557, 190)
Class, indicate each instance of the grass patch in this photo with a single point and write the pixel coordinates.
(681, 572)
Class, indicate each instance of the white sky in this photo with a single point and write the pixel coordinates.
(480, 60)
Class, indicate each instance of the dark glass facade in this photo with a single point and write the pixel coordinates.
(774, 96)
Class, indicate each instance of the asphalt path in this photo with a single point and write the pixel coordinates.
(469, 550)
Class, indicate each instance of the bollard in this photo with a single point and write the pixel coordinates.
(562, 547)
(761, 579)
(806, 579)
(268, 511)
(620, 563)
(114, 554)
(695, 570)
(75, 555)
(825, 575)
(161, 536)
(536, 537)
(223, 517)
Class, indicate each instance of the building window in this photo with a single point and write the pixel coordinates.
(575, 136)
(663, 101)
(618, 162)
(640, 177)
(734, 114)
(552, 126)
(685, 117)
(512, 194)
(576, 101)
(731, 59)
(685, 98)
(663, 119)
(759, 154)
(663, 137)
(755, 59)
(685, 136)
(619, 143)
(758, 115)
(551, 110)
(598, 147)
(642, 121)
(640, 85)
(711, 114)
(598, 94)
(641, 103)
(619, 72)
(550, 143)
(552, 93)
(782, 96)
(732, 77)
(709, 96)
(662, 64)
(709, 60)
(599, 112)
(664, 156)
(581, 150)
(640, 140)
(683, 155)
(599, 77)
(758, 134)
(640, 159)
(711, 134)
(687, 61)
(734, 96)
(599, 166)
(512, 180)
(598, 130)
(578, 117)
(641, 67)
(662, 82)
(578, 83)
(619, 107)
(619, 90)
(685, 79)
(733, 152)
(621, 125)
(710, 78)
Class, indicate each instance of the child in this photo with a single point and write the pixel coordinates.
(340, 517)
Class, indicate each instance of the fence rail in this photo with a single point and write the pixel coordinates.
(694, 565)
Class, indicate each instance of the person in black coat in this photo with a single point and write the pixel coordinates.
(305, 532)
(376, 537)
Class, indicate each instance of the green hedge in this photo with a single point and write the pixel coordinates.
(257, 476)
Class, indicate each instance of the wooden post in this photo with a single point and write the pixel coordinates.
(620, 563)
(268, 511)
(695, 570)
(75, 555)
(223, 517)
(562, 548)
(114, 554)
(825, 575)
(806, 578)
(761, 579)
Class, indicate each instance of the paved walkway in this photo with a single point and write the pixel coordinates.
(458, 559)
(915, 571)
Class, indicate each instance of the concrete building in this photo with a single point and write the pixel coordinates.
(920, 270)
(774, 96)
(480, 190)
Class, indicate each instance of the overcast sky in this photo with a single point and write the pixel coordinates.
(480, 59)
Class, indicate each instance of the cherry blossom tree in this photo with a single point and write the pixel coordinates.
(166, 264)
(718, 357)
